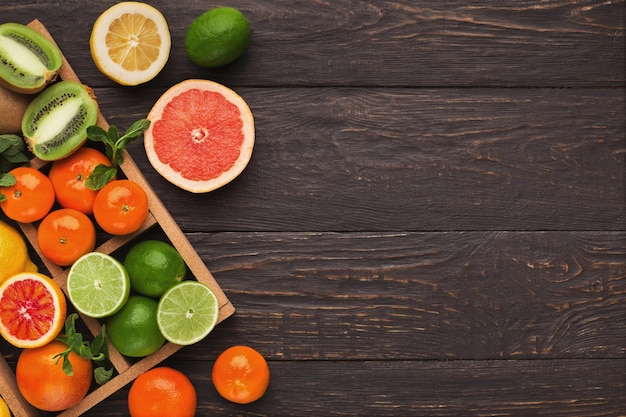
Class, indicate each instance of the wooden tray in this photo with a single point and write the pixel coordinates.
(126, 370)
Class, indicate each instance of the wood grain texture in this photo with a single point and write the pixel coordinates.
(337, 159)
(586, 388)
(422, 296)
(433, 222)
(388, 43)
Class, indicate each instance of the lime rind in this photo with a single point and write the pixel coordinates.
(98, 285)
(187, 313)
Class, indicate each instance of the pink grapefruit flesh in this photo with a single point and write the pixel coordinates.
(201, 135)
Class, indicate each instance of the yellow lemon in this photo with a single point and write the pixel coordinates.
(130, 42)
(13, 253)
(4, 408)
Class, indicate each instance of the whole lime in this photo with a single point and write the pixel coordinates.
(153, 267)
(133, 330)
(217, 37)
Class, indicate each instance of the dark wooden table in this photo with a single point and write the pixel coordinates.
(433, 220)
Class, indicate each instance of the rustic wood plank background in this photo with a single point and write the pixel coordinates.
(433, 221)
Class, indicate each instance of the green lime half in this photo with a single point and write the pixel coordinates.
(187, 312)
(217, 37)
(98, 285)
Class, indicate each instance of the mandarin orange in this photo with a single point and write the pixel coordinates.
(162, 391)
(44, 384)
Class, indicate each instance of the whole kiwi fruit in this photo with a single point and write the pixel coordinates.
(12, 108)
(28, 60)
(55, 122)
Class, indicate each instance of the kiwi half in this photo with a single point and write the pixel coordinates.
(56, 121)
(28, 60)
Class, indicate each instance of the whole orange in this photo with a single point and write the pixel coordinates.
(44, 384)
(162, 391)
(240, 374)
(69, 178)
(121, 207)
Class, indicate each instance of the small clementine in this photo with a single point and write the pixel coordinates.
(31, 198)
(69, 176)
(44, 384)
(65, 235)
(121, 207)
(241, 375)
(162, 391)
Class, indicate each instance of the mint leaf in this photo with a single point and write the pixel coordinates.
(16, 159)
(102, 375)
(11, 154)
(137, 128)
(114, 145)
(96, 351)
(11, 144)
(100, 176)
(113, 134)
(97, 134)
(7, 180)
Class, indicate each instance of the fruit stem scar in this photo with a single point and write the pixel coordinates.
(17, 193)
(62, 240)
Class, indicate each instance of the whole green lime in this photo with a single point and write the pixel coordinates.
(217, 37)
(153, 267)
(133, 330)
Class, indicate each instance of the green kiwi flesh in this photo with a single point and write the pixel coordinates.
(56, 121)
(28, 60)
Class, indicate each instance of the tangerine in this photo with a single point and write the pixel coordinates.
(240, 374)
(162, 391)
(121, 207)
(31, 198)
(44, 384)
(65, 235)
(68, 176)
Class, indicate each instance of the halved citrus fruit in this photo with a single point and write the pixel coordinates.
(187, 312)
(201, 135)
(130, 42)
(98, 285)
(32, 310)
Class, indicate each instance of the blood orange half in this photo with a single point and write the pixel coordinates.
(201, 135)
(32, 310)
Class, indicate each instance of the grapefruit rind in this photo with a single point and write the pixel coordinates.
(245, 151)
(58, 319)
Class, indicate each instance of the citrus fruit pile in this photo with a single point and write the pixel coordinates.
(202, 133)
(145, 300)
(67, 231)
(199, 135)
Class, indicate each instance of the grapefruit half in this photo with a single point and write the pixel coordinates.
(201, 135)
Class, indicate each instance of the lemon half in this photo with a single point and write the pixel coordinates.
(130, 43)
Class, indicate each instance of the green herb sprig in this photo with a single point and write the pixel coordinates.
(114, 144)
(11, 156)
(96, 351)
